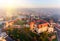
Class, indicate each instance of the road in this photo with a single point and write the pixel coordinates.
(8, 39)
(58, 33)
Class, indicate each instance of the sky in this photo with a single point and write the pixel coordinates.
(30, 3)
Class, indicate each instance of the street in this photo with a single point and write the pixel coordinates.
(58, 33)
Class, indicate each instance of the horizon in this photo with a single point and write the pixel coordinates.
(8, 6)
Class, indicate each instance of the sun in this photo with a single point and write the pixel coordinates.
(9, 5)
(9, 8)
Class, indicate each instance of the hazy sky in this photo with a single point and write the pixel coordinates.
(30, 3)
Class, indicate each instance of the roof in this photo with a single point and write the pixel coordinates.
(41, 21)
